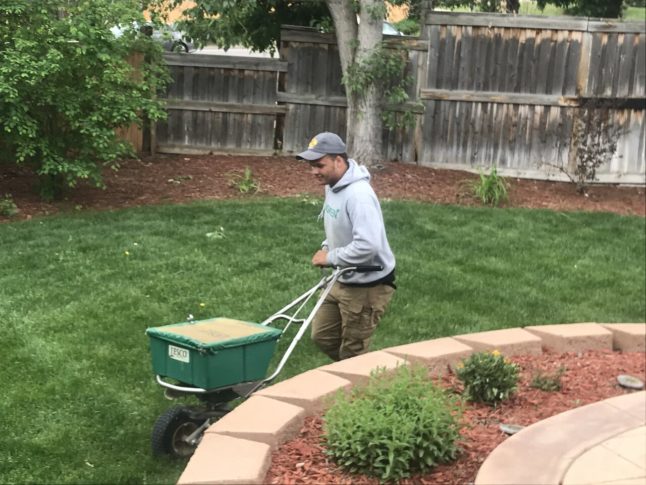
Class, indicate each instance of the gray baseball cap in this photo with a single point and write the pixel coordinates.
(325, 143)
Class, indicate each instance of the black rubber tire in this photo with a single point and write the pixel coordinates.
(179, 46)
(169, 430)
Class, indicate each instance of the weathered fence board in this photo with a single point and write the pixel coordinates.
(220, 103)
(506, 91)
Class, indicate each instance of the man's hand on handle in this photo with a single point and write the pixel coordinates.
(320, 258)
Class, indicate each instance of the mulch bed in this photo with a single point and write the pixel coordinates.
(589, 377)
(167, 179)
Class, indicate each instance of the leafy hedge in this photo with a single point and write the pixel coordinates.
(66, 84)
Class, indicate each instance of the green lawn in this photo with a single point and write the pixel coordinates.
(78, 291)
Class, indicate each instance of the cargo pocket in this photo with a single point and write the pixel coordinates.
(358, 326)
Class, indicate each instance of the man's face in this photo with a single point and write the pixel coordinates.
(329, 169)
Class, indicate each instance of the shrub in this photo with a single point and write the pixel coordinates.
(596, 140)
(394, 426)
(66, 86)
(595, 137)
(244, 183)
(8, 207)
(488, 377)
(546, 381)
(491, 189)
(408, 26)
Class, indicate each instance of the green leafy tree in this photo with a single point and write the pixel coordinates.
(249, 23)
(367, 67)
(588, 8)
(420, 6)
(66, 85)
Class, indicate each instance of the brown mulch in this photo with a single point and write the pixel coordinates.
(175, 178)
(589, 377)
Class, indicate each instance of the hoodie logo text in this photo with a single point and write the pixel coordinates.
(333, 213)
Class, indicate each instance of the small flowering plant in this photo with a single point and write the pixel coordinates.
(488, 377)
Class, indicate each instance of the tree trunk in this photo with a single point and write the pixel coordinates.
(357, 40)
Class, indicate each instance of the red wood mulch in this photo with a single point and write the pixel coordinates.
(165, 179)
(589, 377)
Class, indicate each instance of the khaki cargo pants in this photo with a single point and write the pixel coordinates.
(343, 326)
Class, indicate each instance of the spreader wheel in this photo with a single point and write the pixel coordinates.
(171, 430)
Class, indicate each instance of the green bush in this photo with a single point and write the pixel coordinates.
(244, 183)
(491, 189)
(408, 26)
(67, 85)
(393, 427)
(8, 207)
(488, 377)
(548, 381)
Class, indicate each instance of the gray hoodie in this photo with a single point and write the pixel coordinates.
(354, 226)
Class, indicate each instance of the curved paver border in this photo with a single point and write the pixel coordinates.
(275, 414)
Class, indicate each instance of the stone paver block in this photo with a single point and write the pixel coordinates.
(542, 452)
(261, 419)
(437, 354)
(224, 459)
(509, 341)
(628, 337)
(357, 369)
(573, 337)
(311, 390)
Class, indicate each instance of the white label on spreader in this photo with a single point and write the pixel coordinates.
(178, 353)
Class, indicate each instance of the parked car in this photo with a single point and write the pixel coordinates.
(171, 38)
(390, 29)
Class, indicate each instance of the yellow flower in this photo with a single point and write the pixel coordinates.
(495, 353)
(126, 253)
(202, 305)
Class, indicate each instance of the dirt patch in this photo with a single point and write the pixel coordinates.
(588, 377)
(167, 179)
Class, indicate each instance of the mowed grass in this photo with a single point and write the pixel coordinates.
(78, 291)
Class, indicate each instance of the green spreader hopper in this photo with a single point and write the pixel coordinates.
(213, 353)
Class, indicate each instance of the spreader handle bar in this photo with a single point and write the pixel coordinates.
(283, 316)
(327, 283)
(338, 271)
(366, 268)
(305, 296)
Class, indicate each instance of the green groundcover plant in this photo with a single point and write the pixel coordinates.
(488, 377)
(394, 426)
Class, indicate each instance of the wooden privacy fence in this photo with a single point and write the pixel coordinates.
(506, 91)
(487, 90)
(220, 104)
